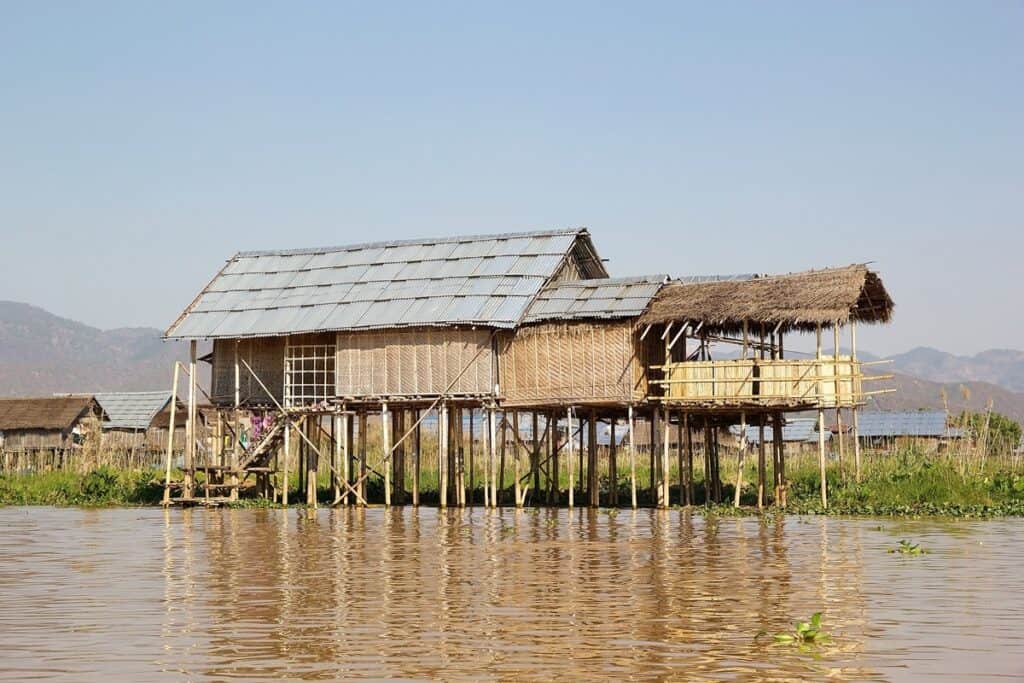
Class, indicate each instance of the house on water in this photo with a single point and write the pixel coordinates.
(138, 422)
(332, 358)
(45, 431)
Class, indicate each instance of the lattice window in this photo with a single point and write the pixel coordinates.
(308, 374)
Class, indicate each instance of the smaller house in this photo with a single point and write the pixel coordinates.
(139, 420)
(882, 429)
(54, 423)
(796, 431)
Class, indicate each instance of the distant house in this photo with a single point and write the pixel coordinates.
(883, 429)
(797, 431)
(139, 420)
(54, 423)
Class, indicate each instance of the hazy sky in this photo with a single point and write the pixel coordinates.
(143, 144)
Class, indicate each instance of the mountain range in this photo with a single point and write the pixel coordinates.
(41, 354)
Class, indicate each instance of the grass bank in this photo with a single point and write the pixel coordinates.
(100, 487)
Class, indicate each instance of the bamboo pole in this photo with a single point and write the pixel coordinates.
(472, 472)
(613, 466)
(535, 454)
(821, 427)
(856, 431)
(190, 425)
(287, 455)
(688, 429)
(170, 435)
(501, 459)
(416, 460)
(568, 458)
(516, 444)
(593, 490)
(492, 454)
(761, 473)
(442, 453)
(385, 426)
(663, 500)
(342, 447)
(236, 445)
(363, 423)
(838, 388)
(632, 460)
(742, 457)
(680, 464)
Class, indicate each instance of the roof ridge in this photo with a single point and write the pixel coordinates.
(411, 242)
(623, 280)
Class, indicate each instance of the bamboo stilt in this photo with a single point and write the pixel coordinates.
(663, 493)
(442, 452)
(593, 489)
(742, 460)
(761, 474)
(170, 436)
(632, 460)
(821, 428)
(385, 426)
(568, 458)
(613, 466)
(190, 427)
(416, 460)
(516, 445)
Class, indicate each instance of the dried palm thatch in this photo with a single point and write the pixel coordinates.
(798, 301)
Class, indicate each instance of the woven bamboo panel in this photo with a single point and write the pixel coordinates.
(414, 362)
(575, 362)
(264, 355)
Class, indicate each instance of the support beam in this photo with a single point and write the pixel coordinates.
(568, 459)
(613, 466)
(516, 444)
(663, 497)
(593, 487)
(856, 430)
(761, 474)
(416, 444)
(821, 425)
(286, 457)
(442, 456)
(190, 429)
(385, 427)
(492, 445)
(170, 435)
(688, 428)
(632, 460)
(742, 455)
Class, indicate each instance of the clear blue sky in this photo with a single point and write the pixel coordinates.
(142, 144)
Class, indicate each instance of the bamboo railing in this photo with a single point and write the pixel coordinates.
(833, 382)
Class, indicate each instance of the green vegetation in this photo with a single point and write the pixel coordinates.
(102, 486)
(803, 633)
(907, 548)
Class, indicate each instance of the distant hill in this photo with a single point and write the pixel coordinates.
(1003, 367)
(41, 353)
(913, 393)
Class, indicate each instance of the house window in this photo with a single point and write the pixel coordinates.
(308, 374)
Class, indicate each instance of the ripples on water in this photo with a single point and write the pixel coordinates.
(139, 595)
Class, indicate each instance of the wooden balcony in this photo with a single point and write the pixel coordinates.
(817, 383)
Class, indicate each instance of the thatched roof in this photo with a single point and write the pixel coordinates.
(57, 412)
(798, 301)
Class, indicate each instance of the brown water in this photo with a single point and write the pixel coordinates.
(196, 595)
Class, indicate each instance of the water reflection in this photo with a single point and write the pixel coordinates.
(484, 595)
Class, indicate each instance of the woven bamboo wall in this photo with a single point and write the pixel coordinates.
(414, 362)
(265, 356)
(571, 362)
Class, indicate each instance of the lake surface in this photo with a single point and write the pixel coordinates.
(212, 595)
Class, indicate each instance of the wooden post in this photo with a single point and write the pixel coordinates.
(554, 471)
(343, 452)
(593, 488)
(838, 389)
(761, 474)
(632, 460)
(516, 445)
(689, 459)
(821, 424)
(416, 459)
(653, 459)
(398, 456)
(579, 455)
(501, 459)
(742, 459)
(442, 453)
(680, 463)
(472, 472)
(236, 446)
(190, 429)
(613, 466)
(286, 456)
(568, 458)
(491, 455)
(385, 435)
(535, 456)
(855, 374)
(457, 445)
(663, 498)
(170, 436)
(363, 423)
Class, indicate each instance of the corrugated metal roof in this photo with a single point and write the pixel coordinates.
(924, 423)
(795, 430)
(132, 410)
(479, 280)
(605, 298)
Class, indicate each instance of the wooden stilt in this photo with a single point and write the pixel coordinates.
(442, 467)
(535, 454)
(632, 460)
(516, 445)
(190, 428)
(458, 460)
(654, 459)
(344, 432)
(553, 470)
(680, 460)
(761, 475)
(236, 445)
(286, 457)
(312, 465)
(579, 454)
(502, 437)
(663, 493)
(568, 458)
(689, 458)
(821, 424)
(593, 489)
(385, 427)
(416, 459)
(170, 437)
(472, 472)
(613, 466)
(838, 399)
(853, 410)
(742, 460)
(363, 422)
(709, 487)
